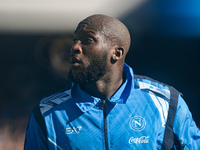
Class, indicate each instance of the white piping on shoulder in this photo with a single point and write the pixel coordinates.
(162, 91)
(162, 106)
(55, 144)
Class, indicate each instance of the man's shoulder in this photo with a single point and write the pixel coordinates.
(150, 85)
(46, 104)
(53, 100)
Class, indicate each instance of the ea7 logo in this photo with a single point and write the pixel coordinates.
(137, 123)
(73, 130)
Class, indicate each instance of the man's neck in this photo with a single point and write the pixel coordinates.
(103, 88)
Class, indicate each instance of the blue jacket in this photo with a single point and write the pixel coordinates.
(133, 118)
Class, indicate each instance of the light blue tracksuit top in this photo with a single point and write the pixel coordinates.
(133, 118)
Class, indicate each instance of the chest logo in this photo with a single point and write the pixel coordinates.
(137, 123)
(73, 130)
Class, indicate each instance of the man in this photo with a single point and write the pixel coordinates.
(108, 107)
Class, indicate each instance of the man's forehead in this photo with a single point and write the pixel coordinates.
(87, 26)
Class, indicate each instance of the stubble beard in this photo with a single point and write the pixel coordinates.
(96, 70)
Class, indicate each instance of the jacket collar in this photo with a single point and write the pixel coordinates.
(85, 101)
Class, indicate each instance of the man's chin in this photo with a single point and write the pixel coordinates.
(76, 75)
(82, 74)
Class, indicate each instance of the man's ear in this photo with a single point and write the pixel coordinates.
(118, 53)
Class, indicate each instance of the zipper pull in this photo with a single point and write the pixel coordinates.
(104, 106)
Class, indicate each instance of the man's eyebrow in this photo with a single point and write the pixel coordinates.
(93, 32)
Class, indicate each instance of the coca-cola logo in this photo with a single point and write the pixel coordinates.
(142, 139)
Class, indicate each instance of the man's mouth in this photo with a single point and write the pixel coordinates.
(74, 61)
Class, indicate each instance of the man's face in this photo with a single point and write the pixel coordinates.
(89, 55)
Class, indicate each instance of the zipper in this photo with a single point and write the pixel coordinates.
(104, 107)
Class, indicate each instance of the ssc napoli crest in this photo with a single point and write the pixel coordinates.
(137, 123)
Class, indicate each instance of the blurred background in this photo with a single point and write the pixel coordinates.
(36, 36)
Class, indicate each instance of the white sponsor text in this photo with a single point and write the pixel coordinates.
(142, 139)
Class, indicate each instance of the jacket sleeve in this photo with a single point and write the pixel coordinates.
(185, 128)
(35, 135)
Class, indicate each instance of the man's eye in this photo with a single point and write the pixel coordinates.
(87, 41)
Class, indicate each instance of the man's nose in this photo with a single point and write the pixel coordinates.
(76, 48)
